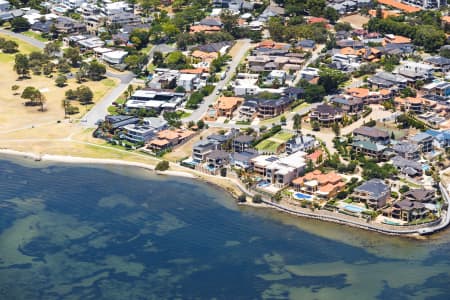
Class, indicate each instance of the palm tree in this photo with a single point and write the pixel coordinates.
(297, 122)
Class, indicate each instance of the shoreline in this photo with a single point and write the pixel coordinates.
(227, 184)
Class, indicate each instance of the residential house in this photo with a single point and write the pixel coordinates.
(323, 185)
(243, 159)
(144, 132)
(441, 139)
(115, 122)
(373, 192)
(279, 171)
(266, 109)
(224, 107)
(420, 195)
(401, 6)
(407, 150)
(122, 19)
(384, 80)
(438, 88)
(369, 148)
(169, 138)
(217, 159)
(300, 142)
(114, 57)
(243, 143)
(407, 211)
(406, 166)
(416, 70)
(201, 149)
(306, 45)
(156, 99)
(416, 105)
(369, 97)
(349, 104)
(424, 141)
(316, 157)
(440, 64)
(326, 115)
(372, 134)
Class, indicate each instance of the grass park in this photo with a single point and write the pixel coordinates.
(273, 144)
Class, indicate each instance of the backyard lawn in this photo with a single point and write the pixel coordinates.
(268, 146)
(283, 136)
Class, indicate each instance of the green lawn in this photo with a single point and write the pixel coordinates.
(185, 114)
(268, 146)
(112, 110)
(282, 135)
(271, 121)
(301, 106)
(108, 82)
(35, 36)
(24, 48)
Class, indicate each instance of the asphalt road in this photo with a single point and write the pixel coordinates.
(24, 38)
(201, 110)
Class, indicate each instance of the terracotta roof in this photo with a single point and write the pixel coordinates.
(315, 155)
(446, 19)
(385, 13)
(204, 55)
(159, 142)
(168, 134)
(193, 71)
(228, 102)
(405, 7)
(203, 28)
(398, 39)
(313, 20)
(358, 92)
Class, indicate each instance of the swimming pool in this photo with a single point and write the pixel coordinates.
(301, 196)
(263, 183)
(354, 208)
(425, 168)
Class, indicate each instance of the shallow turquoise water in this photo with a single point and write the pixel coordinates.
(85, 233)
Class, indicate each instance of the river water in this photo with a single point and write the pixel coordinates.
(78, 232)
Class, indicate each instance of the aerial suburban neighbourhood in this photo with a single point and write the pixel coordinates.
(332, 110)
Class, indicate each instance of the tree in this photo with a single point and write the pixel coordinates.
(257, 198)
(10, 47)
(84, 94)
(315, 126)
(71, 94)
(136, 62)
(158, 59)
(96, 70)
(61, 81)
(283, 119)
(297, 122)
(330, 79)
(312, 92)
(200, 124)
(336, 129)
(242, 198)
(51, 49)
(20, 24)
(162, 166)
(403, 189)
(14, 88)
(72, 54)
(21, 65)
(35, 97)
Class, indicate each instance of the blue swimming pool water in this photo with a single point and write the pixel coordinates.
(302, 196)
(263, 183)
(354, 208)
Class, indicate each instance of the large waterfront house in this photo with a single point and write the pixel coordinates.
(369, 148)
(145, 131)
(279, 171)
(407, 150)
(320, 184)
(406, 211)
(373, 192)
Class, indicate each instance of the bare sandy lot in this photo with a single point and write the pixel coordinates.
(356, 20)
